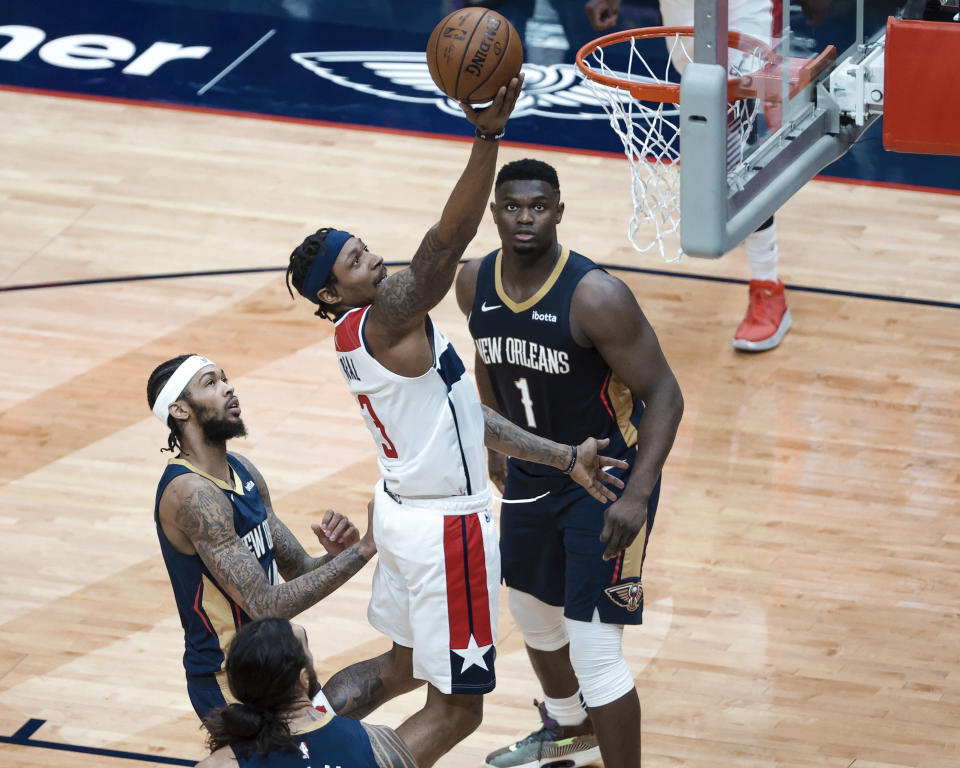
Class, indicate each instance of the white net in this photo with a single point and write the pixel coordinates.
(650, 132)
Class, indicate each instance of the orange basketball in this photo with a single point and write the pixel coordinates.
(472, 52)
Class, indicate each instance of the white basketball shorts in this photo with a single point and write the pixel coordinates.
(437, 585)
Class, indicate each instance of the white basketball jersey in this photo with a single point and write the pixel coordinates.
(751, 17)
(428, 429)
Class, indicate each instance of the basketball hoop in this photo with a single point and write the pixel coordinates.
(640, 104)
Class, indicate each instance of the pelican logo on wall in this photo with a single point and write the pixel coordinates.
(553, 90)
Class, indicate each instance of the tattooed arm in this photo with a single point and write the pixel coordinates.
(202, 517)
(388, 748)
(501, 434)
(404, 298)
(336, 533)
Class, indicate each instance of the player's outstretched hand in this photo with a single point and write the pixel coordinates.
(493, 118)
(603, 14)
(335, 532)
(622, 521)
(588, 471)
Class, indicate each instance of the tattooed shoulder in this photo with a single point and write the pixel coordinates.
(201, 510)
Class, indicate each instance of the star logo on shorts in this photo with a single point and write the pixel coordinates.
(628, 595)
(472, 655)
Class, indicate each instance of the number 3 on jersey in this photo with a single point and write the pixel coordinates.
(525, 400)
(387, 446)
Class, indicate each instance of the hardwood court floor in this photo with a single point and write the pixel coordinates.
(803, 577)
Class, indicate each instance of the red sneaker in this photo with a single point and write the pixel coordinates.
(767, 320)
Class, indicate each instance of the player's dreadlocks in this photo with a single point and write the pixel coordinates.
(300, 261)
(154, 384)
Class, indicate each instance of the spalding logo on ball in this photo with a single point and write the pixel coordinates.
(472, 52)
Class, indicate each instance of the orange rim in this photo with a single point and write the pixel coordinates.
(668, 93)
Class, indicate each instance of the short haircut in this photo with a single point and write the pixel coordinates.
(529, 170)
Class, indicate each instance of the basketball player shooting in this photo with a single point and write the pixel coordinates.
(436, 587)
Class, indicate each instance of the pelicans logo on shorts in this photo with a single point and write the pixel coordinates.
(629, 595)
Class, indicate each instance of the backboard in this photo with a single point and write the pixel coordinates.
(819, 87)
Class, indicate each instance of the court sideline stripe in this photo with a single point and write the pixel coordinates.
(411, 132)
(136, 278)
(608, 267)
(22, 739)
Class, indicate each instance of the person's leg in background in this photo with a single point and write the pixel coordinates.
(768, 318)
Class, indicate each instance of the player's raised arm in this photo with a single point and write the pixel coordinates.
(406, 296)
(203, 515)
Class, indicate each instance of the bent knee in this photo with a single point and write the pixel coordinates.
(469, 719)
(397, 664)
(458, 714)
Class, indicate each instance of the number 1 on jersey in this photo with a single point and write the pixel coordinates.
(525, 400)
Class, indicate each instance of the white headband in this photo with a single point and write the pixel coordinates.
(175, 385)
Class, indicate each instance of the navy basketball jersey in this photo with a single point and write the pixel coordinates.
(333, 741)
(543, 379)
(210, 618)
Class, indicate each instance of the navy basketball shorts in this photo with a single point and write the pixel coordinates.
(551, 549)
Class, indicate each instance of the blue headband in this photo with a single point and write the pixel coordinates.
(323, 262)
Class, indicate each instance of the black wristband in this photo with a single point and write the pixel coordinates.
(573, 461)
(489, 136)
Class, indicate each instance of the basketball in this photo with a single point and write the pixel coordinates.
(472, 52)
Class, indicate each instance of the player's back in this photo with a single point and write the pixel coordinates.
(332, 741)
(429, 429)
(543, 379)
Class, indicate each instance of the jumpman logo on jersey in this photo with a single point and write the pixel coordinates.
(485, 308)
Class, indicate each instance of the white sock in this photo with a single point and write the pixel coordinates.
(762, 252)
(568, 711)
